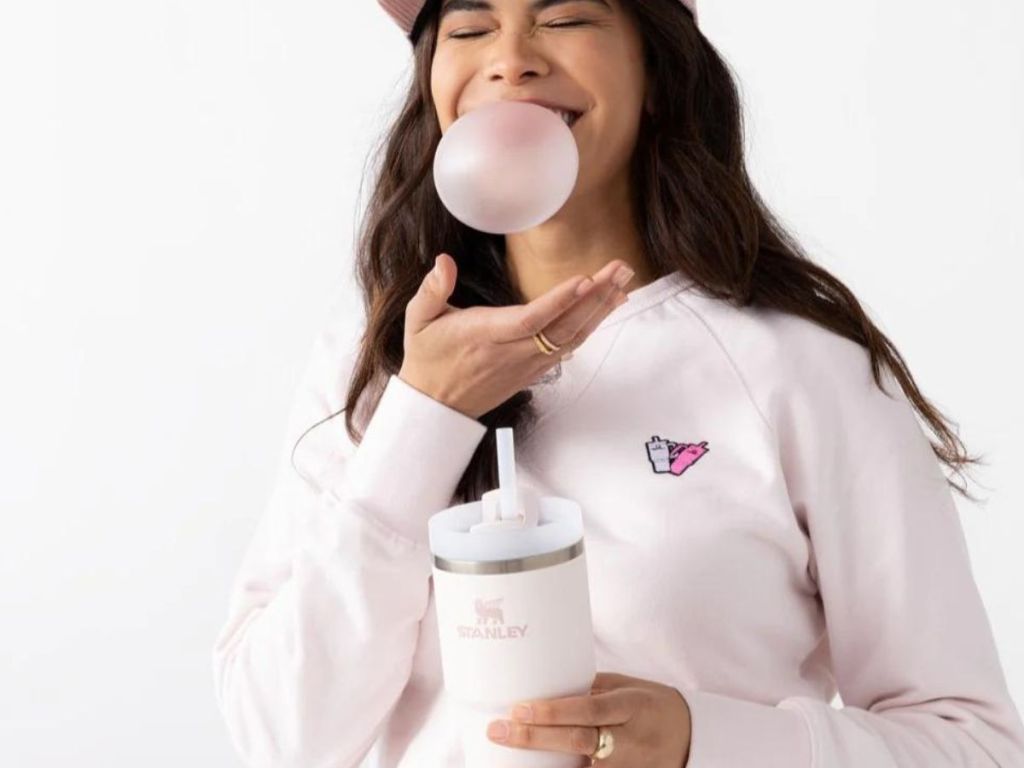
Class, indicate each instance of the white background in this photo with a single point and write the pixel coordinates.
(179, 190)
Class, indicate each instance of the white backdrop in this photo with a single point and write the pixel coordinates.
(179, 190)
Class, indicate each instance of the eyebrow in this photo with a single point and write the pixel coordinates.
(482, 5)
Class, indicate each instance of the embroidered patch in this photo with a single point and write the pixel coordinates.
(673, 457)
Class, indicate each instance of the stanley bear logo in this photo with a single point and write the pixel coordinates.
(489, 611)
(490, 623)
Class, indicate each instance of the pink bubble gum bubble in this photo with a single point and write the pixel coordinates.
(506, 166)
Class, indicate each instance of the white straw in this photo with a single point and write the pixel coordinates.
(507, 473)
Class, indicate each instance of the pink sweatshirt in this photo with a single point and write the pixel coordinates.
(764, 529)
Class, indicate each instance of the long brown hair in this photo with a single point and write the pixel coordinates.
(703, 216)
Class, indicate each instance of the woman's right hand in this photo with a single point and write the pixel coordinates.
(476, 358)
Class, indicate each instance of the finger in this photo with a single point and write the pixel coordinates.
(576, 324)
(603, 293)
(608, 708)
(612, 680)
(605, 273)
(431, 300)
(572, 328)
(537, 363)
(524, 320)
(528, 349)
(573, 739)
(528, 319)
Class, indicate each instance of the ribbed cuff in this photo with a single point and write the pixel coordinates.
(734, 733)
(410, 460)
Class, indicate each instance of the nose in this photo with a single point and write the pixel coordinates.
(515, 57)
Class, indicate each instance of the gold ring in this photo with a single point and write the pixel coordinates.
(605, 745)
(541, 346)
(547, 342)
(545, 346)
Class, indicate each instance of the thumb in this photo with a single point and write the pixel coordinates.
(431, 300)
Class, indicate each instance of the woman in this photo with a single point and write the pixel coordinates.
(767, 524)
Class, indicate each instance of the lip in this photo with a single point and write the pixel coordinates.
(552, 105)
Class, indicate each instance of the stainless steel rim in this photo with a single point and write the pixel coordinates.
(513, 565)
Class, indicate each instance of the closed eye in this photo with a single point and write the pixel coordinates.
(552, 24)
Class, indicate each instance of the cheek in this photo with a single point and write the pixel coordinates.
(614, 86)
(611, 69)
(618, 87)
(444, 93)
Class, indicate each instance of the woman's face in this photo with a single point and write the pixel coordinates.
(583, 54)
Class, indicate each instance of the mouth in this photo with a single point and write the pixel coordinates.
(569, 117)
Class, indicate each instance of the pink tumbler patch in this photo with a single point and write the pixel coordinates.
(683, 456)
(672, 457)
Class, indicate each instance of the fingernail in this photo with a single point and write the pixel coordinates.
(622, 299)
(622, 276)
(583, 287)
(498, 730)
(523, 711)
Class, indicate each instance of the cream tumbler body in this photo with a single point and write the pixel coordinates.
(513, 613)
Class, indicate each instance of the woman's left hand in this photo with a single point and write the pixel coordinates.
(649, 722)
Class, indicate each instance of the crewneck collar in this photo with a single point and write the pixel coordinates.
(647, 296)
(566, 381)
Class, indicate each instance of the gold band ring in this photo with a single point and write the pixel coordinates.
(605, 745)
(552, 347)
(545, 345)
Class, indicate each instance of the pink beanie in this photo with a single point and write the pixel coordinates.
(404, 12)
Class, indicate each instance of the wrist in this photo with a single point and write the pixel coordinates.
(411, 380)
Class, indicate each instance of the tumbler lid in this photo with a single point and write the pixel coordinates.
(454, 535)
(508, 523)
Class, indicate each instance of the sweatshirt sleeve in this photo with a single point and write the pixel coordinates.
(912, 650)
(324, 612)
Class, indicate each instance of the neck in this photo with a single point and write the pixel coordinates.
(588, 232)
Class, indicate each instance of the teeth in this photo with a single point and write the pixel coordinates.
(568, 117)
